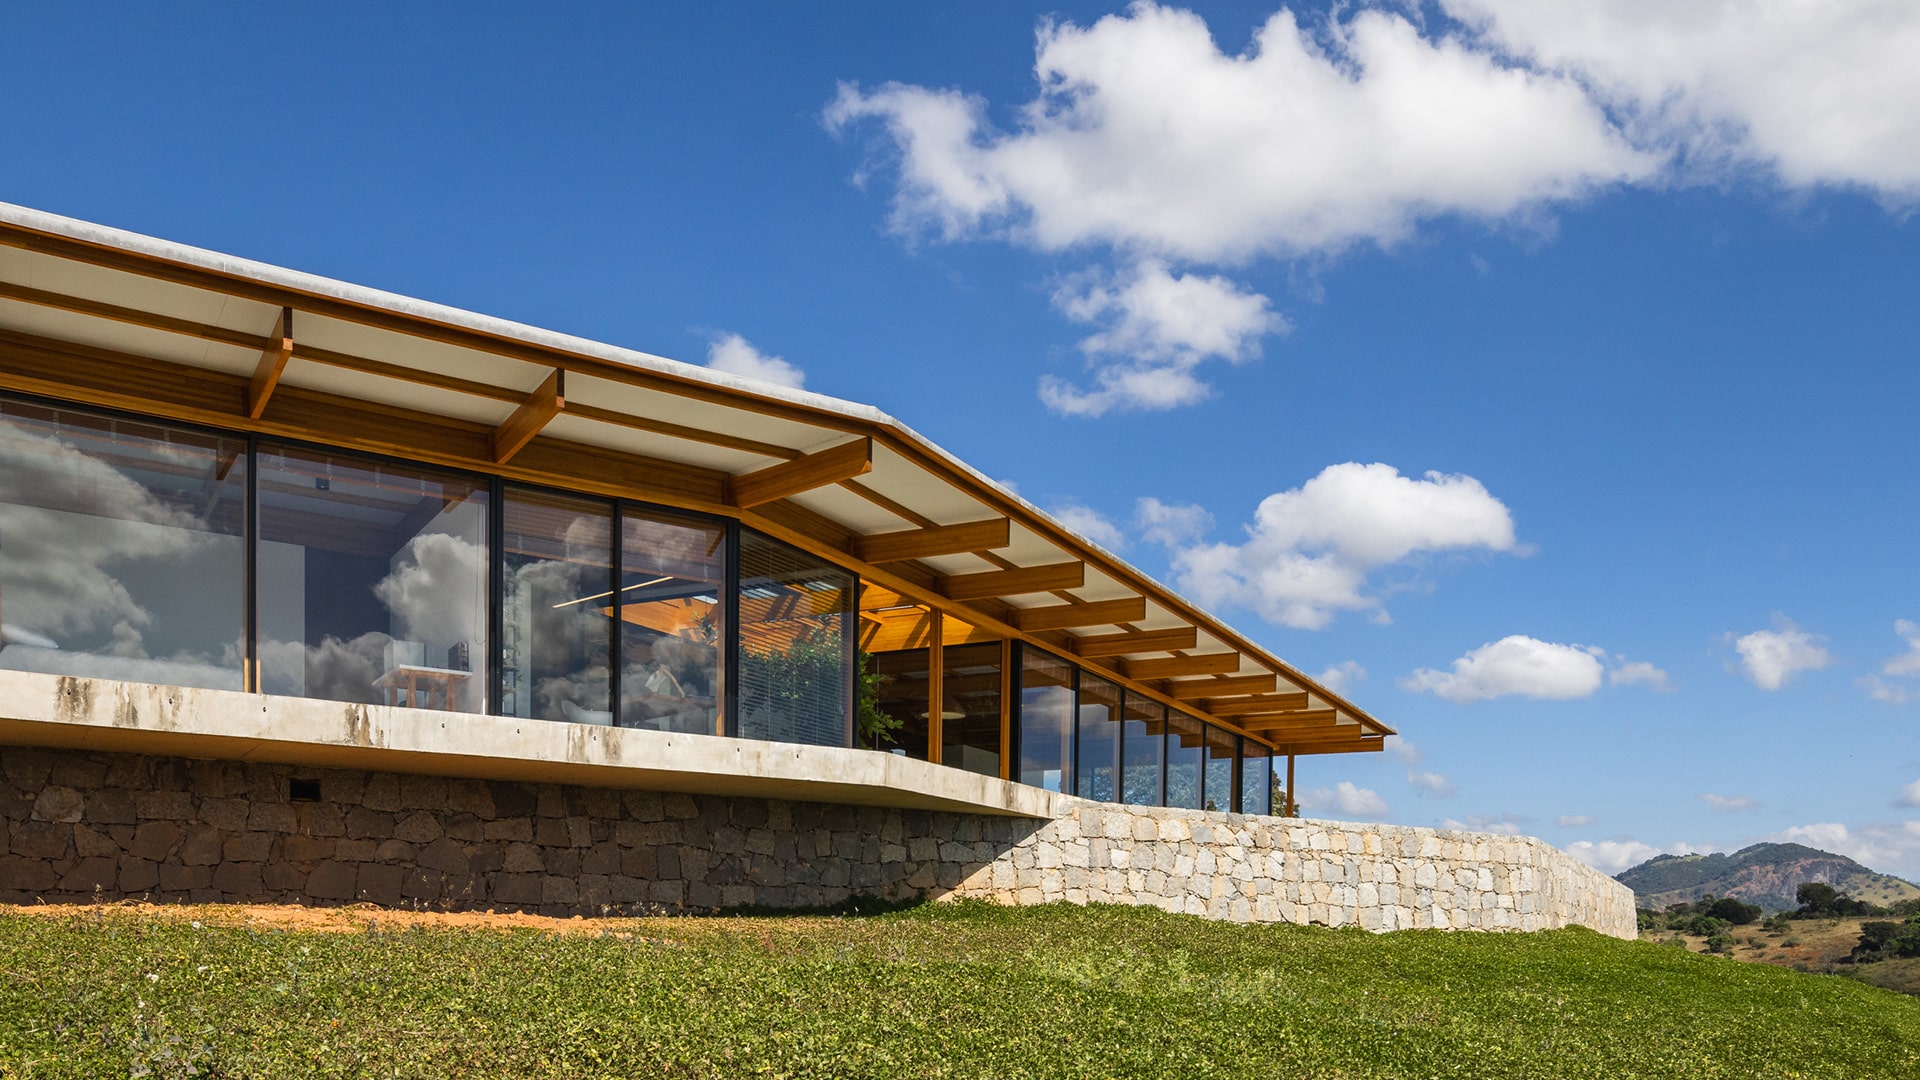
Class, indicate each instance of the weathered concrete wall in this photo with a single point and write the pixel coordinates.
(82, 825)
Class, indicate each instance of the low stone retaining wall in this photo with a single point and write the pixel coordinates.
(82, 826)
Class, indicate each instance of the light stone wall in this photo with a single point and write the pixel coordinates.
(83, 825)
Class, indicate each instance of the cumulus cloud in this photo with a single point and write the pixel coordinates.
(1909, 795)
(1091, 524)
(1518, 665)
(1773, 657)
(1573, 821)
(736, 355)
(1613, 856)
(1342, 676)
(1902, 667)
(1640, 673)
(1156, 327)
(1815, 93)
(1879, 689)
(1346, 801)
(1170, 525)
(1431, 783)
(1309, 550)
(1499, 824)
(1889, 847)
(1728, 803)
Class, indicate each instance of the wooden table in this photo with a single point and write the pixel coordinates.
(411, 680)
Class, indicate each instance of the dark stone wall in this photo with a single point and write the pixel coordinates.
(80, 827)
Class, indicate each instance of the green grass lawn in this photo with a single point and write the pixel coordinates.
(942, 990)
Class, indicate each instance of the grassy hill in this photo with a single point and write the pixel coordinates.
(939, 991)
(1764, 874)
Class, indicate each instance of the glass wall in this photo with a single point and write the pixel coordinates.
(122, 549)
(898, 683)
(1186, 747)
(1045, 733)
(970, 715)
(556, 606)
(673, 573)
(796, 647)
(372, 580)
(1098, 749)
(1256, 778)
(1143, 740)
(1217, 787)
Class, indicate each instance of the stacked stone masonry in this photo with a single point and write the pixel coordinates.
(84, 826)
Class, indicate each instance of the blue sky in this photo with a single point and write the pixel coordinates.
(1572, 345)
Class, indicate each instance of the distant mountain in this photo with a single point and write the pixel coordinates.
(1764, 874)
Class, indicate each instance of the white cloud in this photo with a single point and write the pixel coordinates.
(1904, 666)
(1880, 689)
(1514, 665)
(1342, 676)
(1169, 525)
(1498, 824)
(1909, 795)
(1573, 821)
(1431, 783)
(1146, 137)
(1405, 751)
(1613, 856)
(1309, 550)
(1093, 525)
(1728, 803)
(1640, 673)
(1157, 326)
(736, 355)
(1346, 801)
(1818, 93)
(1889, 847)
(1773, 657)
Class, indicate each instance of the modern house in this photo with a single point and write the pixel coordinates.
(297, 577)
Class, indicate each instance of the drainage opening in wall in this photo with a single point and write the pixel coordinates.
(303, 790)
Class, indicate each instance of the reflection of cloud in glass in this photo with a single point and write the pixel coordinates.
(334, 670)
(177, 672)
(436, 590)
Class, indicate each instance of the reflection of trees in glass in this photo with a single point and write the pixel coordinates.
(796, 693)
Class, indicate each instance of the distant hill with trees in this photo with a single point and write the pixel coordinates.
(1769, 875)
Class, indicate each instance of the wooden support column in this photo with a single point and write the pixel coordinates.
(1293, 805)
(273, 361)
(936, 685)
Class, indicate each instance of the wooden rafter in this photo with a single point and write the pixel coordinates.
(937, 540)
(1070, 616)
(1366, 745)
(1255, 704)
(273, 360)
(1179, 637)
(1298, 720)
(1232, 685)
(829, 466)
(1175, 666)
(534, 413)
(1027, 579)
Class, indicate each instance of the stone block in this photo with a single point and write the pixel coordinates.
(229, 815)
(356, 851)
(88, 843)
(321, 819)
(110, 806)
(521, 859)
(274, 817)
(464, 827)
(508, 888)
(177, 878)
(377, 883)
(423, 792)
(41, 839)
(247, 847)
(91, 875)
(418, 827)
(365, 824)
(343, 787)
(517, 829)
(382, 793)
(445, 855)
(395, 851)
(58, 804)
(20, 874)
(239, 879)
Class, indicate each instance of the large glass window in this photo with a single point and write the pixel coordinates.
(122, 549)
(556, 610)
(796, 648)
(970, 715)
(1046, 719)
(1256, 778)
(894, 713)
(1098, 751)
(1222, 748)
(372, 579)
(1186, 748)
(1143, 739)
(672, 577)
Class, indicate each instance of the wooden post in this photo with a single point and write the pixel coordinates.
(1293, 808)
(936, 684)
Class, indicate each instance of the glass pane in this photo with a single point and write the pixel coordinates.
(373, 581)
(1098, 752)
(1256, 778)
(1143, 738)
(1221, 748)
(970, 730)
(556, 618)
(796, 658)
(900, 682)
(1046, 719)
(672, 575)
(1186, 743)
(122, 549)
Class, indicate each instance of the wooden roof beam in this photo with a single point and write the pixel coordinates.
(1256, 704)
(1069, 616)
(1026, 579)
(1232, 685)
(1370, 744)
(1298, 720)
(935, 540)
(1174, 666)
(1179, 637)
(804, 473)
(534, 413)
(273, 361)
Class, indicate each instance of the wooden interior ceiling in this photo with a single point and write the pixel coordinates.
(926, 534)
